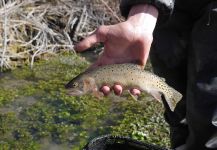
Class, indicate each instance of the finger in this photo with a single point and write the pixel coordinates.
(135, 92)
(105, 89)
(117, 89)
(98, 36)
(87, 43)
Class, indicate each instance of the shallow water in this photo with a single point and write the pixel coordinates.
(36, 112)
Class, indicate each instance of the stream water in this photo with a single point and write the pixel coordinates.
(36, 112)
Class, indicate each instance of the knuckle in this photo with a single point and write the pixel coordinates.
(102, 32)
(101, 29)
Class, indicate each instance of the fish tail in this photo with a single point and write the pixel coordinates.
(173, 98)
(176, 97)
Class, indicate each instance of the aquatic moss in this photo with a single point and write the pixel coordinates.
(142, 120)
(36, 112)
(6, 96)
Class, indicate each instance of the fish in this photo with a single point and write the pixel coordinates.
(127, 75)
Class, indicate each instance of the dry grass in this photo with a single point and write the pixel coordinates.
(35, 29)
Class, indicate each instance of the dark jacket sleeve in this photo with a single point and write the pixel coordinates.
(164, 7)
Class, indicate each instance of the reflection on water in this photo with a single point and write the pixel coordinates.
(36, 113)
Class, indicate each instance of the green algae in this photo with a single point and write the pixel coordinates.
(36, 112)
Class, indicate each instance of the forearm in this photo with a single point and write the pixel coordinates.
(143, 16)
(164, 7)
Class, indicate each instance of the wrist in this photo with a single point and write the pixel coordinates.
(143, 17)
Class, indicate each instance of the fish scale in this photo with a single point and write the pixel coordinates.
(128, 76)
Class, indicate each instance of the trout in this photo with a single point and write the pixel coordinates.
(128, 76)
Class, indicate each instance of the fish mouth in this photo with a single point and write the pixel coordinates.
(68, 85)
(74, 92)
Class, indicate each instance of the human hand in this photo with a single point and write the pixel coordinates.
(126, 42)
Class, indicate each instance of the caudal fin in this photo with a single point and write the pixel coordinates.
(173, 99)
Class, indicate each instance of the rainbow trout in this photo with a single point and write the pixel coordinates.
(129, 76)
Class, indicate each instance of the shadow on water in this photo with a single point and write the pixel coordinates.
(36, 112)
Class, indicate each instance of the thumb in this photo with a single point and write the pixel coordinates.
(98, 36)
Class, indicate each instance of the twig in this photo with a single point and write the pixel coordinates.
(81, 19)
(26, 28)
(5, 36)
(111, 11)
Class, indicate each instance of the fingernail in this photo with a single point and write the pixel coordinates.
(135, 92)
(105, 89)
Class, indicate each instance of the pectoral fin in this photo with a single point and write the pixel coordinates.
(89, 84)
(156, 95)
(97, 94)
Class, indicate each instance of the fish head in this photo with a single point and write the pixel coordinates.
(81, 84)
(75, 87)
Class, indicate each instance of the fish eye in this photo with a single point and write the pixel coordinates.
(75, 84)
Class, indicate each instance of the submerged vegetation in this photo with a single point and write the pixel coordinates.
(36, 112)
